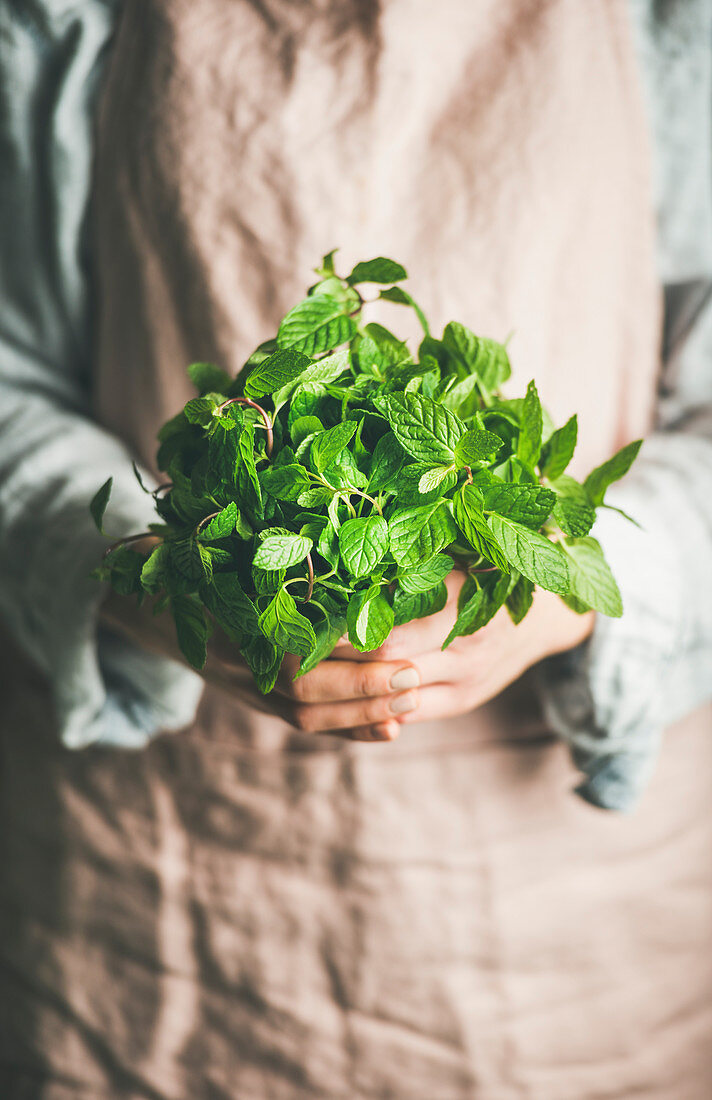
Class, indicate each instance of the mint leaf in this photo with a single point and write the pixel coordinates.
(558, 450)
(520, 599)
(154, 568)
(328, 446)
(221, 525)
(590, 577)
(430, 479)
(369, 617)
(417, 534)
(316, 325)
(604, 475)
(531, 554)
(98, 504)
(380, 270)
(485, 359)
(476, 612)
(285, 482)
(527, 504)
(286, 627)
(264, 660)
(476, 446)
(388, 458)
(403, 298)
(207, 378)
(328, 633)
(230, 605)
(424, 429)
(530, 428)
(574, 517)
(470, 518)
(408, 606)
(423, 577)
(281, 551)
(191, 629)
(271, 374)
(362, 544)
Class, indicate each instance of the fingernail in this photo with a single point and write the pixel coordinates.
(386, 731)
(403, 703)
(405, 678)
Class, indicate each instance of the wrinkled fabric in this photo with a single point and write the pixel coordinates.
(53, 455)
(613, 698)
(243, 911)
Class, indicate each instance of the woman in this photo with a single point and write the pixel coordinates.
(242, 908)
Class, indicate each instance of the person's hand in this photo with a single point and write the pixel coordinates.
(475, 668)
(351, 699)
(367, 696)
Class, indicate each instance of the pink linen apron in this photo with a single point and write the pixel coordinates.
(241, 912)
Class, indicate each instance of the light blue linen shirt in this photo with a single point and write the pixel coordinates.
(610, 698)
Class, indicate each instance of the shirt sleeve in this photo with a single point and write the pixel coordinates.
(613, 697)
(54, 456)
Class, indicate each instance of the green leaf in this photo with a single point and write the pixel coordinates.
(98, 504)
(362, 544)
(408, 606)
(424, 429)
(476, 446)
(531, 554)
(470, 518)
(520, 599)
(281, 551)
(137, 475)
(264, 660)
(417, 534)
(408, 490)
(247, 482)
(574, 517)
(207, 378)
(190, 558)
(430, 479)
(590, 577)
(124, 567)
(423, 577)
(233, 609)
(316, 325)
(329, 633)
(388, 457)
(380, 270)
(403, 298)
(476, 612)
(154, 568)
(191, 629)
(221, 525)
(486, 359)
(284, 366)
(530, 428)
(327, 446)
(558, 450)
(369, 617)
(286, 627)
(599, 479)
(285, 482)
(199, 410)
(527, 504)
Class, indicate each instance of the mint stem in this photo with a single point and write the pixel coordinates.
(260, 410)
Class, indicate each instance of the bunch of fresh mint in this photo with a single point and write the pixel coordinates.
(333, 485)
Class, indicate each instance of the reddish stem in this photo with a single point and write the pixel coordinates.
(310, 589)
(204, 520)
(253, 405)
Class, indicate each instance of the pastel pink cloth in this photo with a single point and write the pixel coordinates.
(241, 911)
